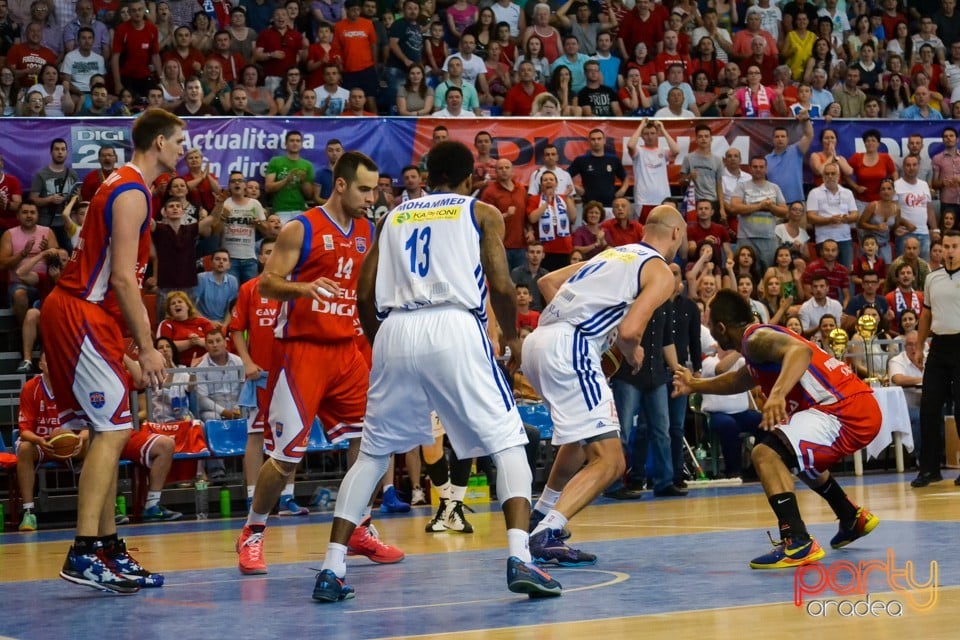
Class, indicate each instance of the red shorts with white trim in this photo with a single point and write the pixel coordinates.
(310, 379)
(85, 348)
(824, 435)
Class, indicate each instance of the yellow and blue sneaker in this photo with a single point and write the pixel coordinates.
(864, 524)
(789, 553)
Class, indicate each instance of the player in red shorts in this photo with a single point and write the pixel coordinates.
(317, 369)
(83, 321)
(817, 411)
(38, 419)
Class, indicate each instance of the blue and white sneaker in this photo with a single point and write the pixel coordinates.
(526, 577)
(289, 507)
(391, 503)
(124, 565)
(159, 513)
(547, 548)
(330, 588)
(90, 570)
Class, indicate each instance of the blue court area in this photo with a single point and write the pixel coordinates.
(429, 594)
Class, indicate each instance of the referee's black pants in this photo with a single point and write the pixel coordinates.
(941, 377)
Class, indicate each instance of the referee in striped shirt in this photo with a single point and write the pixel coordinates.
(941, 373)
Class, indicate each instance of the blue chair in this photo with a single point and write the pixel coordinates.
(538, 416)
(318, 439)
(226, 438)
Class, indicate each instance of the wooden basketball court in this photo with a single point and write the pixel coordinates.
(668, 568)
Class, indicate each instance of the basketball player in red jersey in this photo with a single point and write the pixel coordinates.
(317, 369)
(83, 321)
(817, 411)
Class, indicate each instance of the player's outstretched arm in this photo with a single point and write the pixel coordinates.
(367, 287)
(730, 383)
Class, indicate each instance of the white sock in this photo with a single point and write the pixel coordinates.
(250, 489)
(257, 518)
(518, 542)
(153, 499)
(387, 487)
(553, 520)
(335, 560)
(457, 494)
(28, 506)
(287, 491)
(547, 500)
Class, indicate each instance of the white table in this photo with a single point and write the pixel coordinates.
(895, 427)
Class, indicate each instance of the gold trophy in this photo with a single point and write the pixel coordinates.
(867, 329)
(837, 341)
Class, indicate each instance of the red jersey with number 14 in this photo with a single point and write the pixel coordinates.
(331, 252)
(258, 317)
(87, 274)
(826, 381)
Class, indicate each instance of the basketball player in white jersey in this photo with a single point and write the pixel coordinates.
(591, 305)
(426, 280)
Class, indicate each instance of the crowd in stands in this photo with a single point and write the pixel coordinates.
(759, 58)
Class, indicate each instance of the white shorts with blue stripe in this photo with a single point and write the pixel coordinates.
(438, 359)
(564, 367)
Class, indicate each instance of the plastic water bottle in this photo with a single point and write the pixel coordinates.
(3, 518)
(122, 505)
(201, 498)
(224, 503)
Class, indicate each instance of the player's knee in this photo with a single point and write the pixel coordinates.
(163, 448)
(284, 468)
(32, 317)
(27, 453)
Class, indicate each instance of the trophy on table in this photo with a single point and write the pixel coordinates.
(867, 329)
(837, 341)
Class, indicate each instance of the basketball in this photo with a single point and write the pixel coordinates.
(610, 361)
(63, 444)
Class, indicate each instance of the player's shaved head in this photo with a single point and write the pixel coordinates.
(663, 218)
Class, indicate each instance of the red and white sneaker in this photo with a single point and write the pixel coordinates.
(364, 542)
(250, 548)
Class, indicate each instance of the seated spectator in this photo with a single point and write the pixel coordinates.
(621, 229)
(746, 289)
(546, 105)
(99, 105)
(560, 87)
(527, 318)
(238, 104)
(43, 283)
(904, 296)
(528, 274)
(216, 91)
(185, 327)
(288, 94)
(308, 104)
(218, 389)
(415, 97)
(38, 421)
(193, 104)
(81, 63)
(356, 104)
(27, 58)
(231, 62)
(259, 100)
(533, 53)
(496, 77)
(58, 101)
(216, 288)
(818, 306)
(597, 99)
(574, 61)
(674, 107)
(675, 80)
(634, 99)
(756, 100)
(331, 97)
(903, 372)
(921, 109)
(190, 59)
(541, 28)
(172, 83)
(836, 274)
(729, 416)
(589, 238)
(828, 322)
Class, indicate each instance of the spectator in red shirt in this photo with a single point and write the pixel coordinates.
(643, 24)
(837, 275)
(185, 327)
(190, 59)
(279, 47)
(621, 229)
(136, 52)
(552, 214)
(231, 62)
(510, 198)
(355, 49)
(526, 317)
(203, 186)
(27, 59)
(705, 230)
(519, 99)
(107, 157)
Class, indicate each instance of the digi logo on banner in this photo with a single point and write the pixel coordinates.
(86, 142)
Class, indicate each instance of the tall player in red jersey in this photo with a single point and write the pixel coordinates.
(317, 369)
(817, 411)
(83, 321)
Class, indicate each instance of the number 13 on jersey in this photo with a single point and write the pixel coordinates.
(418, 245)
